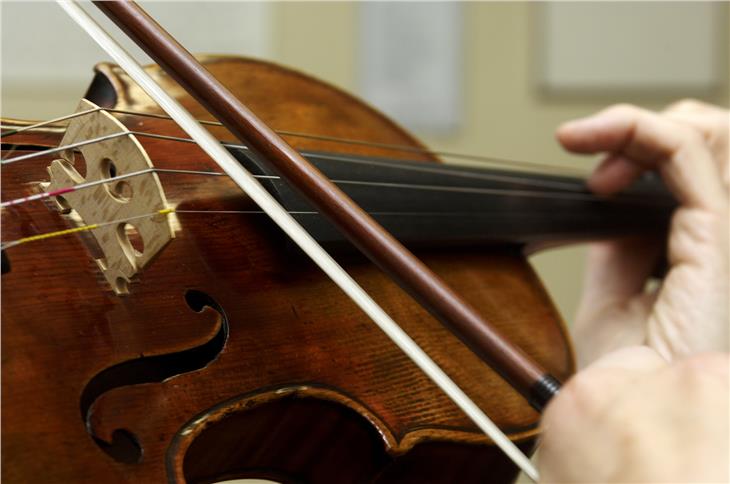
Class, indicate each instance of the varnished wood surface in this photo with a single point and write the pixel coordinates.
(362, 230)
(288, 325)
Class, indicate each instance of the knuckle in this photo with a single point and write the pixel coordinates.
(623, 109)
(700, 364)
(693, 221)
(695, 236)
(686, 104)
(581, 390)
(692, 135)
(686, 134)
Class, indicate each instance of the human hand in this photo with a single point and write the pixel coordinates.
(688, 313)
(633, 417)
(714, 124)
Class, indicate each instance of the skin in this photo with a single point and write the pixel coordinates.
(651, 403)
(634, 417)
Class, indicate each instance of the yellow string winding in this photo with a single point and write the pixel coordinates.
(82, 228)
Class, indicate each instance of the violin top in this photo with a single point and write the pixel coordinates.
(226, 353)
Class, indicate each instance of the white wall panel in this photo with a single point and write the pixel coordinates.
(630, 46)
(410, 63)
(44, 53)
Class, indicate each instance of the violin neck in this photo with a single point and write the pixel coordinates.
(438, 205)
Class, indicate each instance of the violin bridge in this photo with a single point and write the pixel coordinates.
(121, 249)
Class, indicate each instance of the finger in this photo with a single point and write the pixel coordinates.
(693, 106)
(613, 174)
(652, 142)
(711, 364)
(621, 129)
(592, 388)
(583, 405)
(714, 124)
(642, 359)
(709, 124)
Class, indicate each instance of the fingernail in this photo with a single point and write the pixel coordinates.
(573, 124)
(566, 126)
(564, 130)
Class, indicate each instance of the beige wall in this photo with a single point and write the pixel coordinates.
(504, 114)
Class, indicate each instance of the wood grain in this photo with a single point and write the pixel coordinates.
(289, 328)
(363, 231)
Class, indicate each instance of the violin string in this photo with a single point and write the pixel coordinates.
(425, 169)
(388, 146)
(48, 122)
(75, 188)
(436, 170)
(554, 184)
(12, 150)
(81, 228)
(568, 170)
(411, 186)
(580, 193)
(71, 146)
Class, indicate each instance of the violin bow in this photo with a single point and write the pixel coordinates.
(517, 368)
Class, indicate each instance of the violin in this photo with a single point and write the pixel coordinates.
(158, 326)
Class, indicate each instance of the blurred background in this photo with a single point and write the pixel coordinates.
(492, 79)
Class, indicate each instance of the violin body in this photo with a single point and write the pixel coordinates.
(232, 355)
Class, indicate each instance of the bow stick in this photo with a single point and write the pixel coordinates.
(518, 369)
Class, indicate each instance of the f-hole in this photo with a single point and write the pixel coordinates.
(125, 447)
